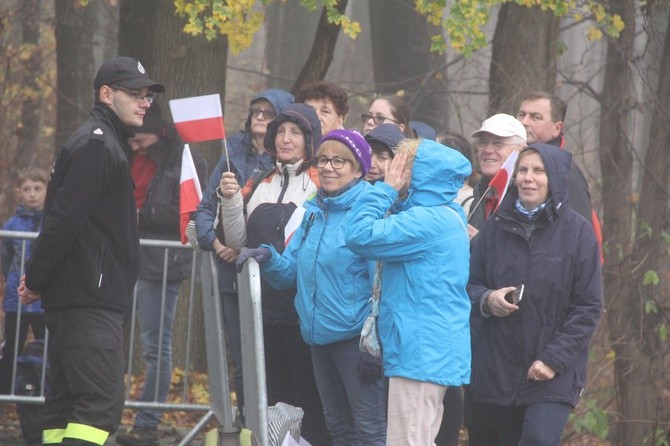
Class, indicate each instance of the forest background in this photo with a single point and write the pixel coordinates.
(610, 60)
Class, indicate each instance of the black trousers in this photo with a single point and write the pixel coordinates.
(34, 320)
(85, 399)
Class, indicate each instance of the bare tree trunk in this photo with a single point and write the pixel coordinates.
(151, 31)
(402, 60)
(322, 51)
(30, 117)
(642, 393)
(290, 27)
(639, 362)
(85, 37)
(524, 56)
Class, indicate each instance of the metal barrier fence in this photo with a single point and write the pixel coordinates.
(253, 364)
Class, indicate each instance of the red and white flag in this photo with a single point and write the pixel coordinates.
(293, 223)
(190, 192)
(500, 181)
(198, 118)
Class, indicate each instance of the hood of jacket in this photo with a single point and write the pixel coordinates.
(280, 99)
(557, 166)
(308, 121)
(437, 175)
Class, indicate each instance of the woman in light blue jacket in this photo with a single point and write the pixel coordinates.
(424, 308)
(334, 286)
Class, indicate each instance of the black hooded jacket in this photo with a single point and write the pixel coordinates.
(159, 216)
(559, 265)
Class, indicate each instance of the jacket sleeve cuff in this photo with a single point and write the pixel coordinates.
(233, 222)
(483, 308)
(549, 360)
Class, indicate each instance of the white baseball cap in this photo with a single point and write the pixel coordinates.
(502, 125)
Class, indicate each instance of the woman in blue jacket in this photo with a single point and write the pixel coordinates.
(333, 286)
(529, 361)
(424, 308)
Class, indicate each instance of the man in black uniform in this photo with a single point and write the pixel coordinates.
(85, 260)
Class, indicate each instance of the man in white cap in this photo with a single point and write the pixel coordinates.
(498, 137)
(85, 260)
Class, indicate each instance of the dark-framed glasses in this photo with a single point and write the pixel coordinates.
(135, 94)
(266, 112)
(377, 119)
(335, 161)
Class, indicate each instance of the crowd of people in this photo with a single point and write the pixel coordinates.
(486, 302)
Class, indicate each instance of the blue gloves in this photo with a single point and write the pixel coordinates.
(370, 368)
(260, 254)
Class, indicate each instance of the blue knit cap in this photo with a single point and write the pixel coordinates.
(354, 142)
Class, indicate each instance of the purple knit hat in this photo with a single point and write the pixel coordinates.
(354, 142)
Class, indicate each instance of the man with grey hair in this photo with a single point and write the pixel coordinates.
(498, 137)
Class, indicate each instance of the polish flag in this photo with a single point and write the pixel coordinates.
(293, 223)
(198, 118)
(500, 181)
(190, 192)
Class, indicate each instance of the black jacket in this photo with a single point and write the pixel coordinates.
(560, 268)
(159, 216)
(87, 253)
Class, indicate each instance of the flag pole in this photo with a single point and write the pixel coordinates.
(224, 145)
(504, 168)
(472, 210)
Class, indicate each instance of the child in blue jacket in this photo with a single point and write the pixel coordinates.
(32, 187)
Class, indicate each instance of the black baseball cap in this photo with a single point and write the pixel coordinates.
(126, 72)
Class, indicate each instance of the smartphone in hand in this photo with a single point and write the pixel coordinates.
(515, 296)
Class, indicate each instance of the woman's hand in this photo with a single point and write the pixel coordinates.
(260, 254)
(228, 185)
(396, 174)
(497, 304)
(224, 252)
(539, 371)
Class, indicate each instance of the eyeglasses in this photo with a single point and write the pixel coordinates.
(335, 161)
(135, 94)
(495, 145)
(378, 119)
(267, 113)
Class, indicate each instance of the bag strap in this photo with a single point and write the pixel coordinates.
(458, 217)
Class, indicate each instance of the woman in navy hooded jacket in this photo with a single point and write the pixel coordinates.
(529, 362)
(424, 308)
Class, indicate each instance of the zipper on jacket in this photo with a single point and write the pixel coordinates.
(284, 185)
(98, 266)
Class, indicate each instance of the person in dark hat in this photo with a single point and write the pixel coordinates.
(85, 261)
(423, 130)
(383, 140)
(248, 159)
(271, 204)
(155, 169)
